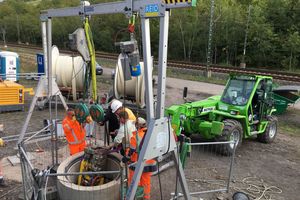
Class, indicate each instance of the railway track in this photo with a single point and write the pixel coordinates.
(286, 76)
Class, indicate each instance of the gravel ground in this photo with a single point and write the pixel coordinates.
(275, 164)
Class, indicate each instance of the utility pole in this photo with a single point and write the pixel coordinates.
(243, 63)
(18, 29)
(210, 35)
(4, 36)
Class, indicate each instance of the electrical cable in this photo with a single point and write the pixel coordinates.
(169, 132)
(177, 173)
(159, 181)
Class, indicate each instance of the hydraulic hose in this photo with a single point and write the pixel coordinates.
(89, 38)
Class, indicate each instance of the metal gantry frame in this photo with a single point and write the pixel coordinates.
(159, 139)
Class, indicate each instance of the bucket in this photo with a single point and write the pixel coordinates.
(135, 70)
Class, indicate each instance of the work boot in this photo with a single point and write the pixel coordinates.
(2, 182)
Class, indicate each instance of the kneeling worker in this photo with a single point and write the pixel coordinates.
(74, 132)
(136, 142)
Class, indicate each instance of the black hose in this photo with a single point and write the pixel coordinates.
(169, 141)
(159, 181)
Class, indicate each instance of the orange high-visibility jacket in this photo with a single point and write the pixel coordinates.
(135, 146)
(75, 135)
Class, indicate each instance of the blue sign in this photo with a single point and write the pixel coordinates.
(152, 9)
(40, 63)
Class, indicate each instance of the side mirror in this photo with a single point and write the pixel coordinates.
(185, 91)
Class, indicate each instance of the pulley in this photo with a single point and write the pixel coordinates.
(81, 112)
(97, 113)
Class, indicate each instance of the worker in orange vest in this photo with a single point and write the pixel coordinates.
(150, 166)
(74, 132)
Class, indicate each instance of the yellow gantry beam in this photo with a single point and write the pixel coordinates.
(177, 1)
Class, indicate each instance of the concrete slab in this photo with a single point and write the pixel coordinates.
(11, 172)
(15, 160)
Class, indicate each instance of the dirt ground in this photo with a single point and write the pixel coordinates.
(271, 167)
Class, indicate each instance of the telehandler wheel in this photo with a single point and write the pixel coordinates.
(232, 131)
(269, 135)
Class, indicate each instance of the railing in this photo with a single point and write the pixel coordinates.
(208, 169)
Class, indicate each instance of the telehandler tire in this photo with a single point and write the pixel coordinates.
(232, 131)
(271, 131)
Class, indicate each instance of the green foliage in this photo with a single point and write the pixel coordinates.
(273, 33)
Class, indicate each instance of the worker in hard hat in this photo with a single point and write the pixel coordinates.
(113, 122)
(124, 133)
(117, 107)
(74, 132)
(136, 142)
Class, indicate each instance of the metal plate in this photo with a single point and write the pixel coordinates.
(162, 138)
(81, 112)
(97, 113)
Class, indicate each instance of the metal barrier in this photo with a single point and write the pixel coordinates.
(39, 171)
(43, 147)
(208, 170)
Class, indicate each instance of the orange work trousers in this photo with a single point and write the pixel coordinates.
(76, 148)
(145, 182)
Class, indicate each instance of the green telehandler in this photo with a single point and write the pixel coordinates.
(244, 110)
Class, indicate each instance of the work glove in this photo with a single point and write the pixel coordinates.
(125, 159)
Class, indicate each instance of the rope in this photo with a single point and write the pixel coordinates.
(254, 187)
(258, 189)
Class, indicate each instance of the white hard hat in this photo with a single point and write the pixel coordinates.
(141, 122)
(115, 105)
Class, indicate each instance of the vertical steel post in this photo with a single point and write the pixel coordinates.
(50, 77)
(148, 67)
(243, 63)
(23, 171)
(44, 41)
(231, 166)
(149, 105)
(210, 35)
(162, 65)
(32, 105)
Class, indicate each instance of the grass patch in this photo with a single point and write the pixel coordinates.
(107, 63)
(289, 122)
(287, 127)
(194, 75)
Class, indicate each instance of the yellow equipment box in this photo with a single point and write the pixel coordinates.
(12, 96)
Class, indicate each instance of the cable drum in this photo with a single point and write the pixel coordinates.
(134, 88)
(67, 69)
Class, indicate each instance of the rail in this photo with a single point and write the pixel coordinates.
(286, 76)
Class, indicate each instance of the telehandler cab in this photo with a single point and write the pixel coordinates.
(244, 110)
